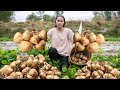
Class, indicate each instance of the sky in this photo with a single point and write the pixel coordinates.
(20, 16)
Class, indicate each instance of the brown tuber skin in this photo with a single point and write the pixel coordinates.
(42, 75)
(100, 39)
(77, 37)
(25, 46)
(18, 38)
(93, 47)
(43, 35)
(92, 37)
(27, 35)
(84, 41)
(26, 70)
(33, 73)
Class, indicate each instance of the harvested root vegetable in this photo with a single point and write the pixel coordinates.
(33, 32)
(77, 44)
(115, 72)
(35, 39)
(18, 62)
(23, 59)
(33, 73)
(18, 38)
(42, 75)
(100, 39)
(43, 35)
(30, 77)
(73, 58)
(95, 74)
(40, 45)
(49, 76)
(100, 72)
(79, 47)
(92, 37)
(85, 58)
(80, 77)
(13, 64)
(49, 72)
(41, 58)
(53, 68)
(9, 77)
(23, 65)
(27, 35)
(26, 70)
(107, 76)
(91, 71)
(7, 70)
(29, 62)
(56, 77)
(93, 47)
(38, 77)
(35, 63)
(77, 55)
(18, 58)
(25, 46)
(43, 42)
(18, 75)
(31, 68)
(31, 39)
(12, 74)
(77, 37)
(57, 73)
(84, 41)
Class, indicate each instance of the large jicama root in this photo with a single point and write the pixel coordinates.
(77, 37)
(25, 46)
(93, 47)
(91, 37)
(84, 41)
(31, 39)
(27, 35)
(100, 39)
(40, 45)
(35, 39)
(79, 47)
(43, 35)
(18, 38)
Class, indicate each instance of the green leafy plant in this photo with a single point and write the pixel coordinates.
(113, 60)
(35, 52)
(53, 62)
(65, 77)
(69, 72)
(7, 56)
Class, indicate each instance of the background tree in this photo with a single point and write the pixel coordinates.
(47, 17)
(41, 14)
(33, 17)
(58, 13)
(6, 16)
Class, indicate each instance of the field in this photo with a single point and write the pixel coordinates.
(109, 51)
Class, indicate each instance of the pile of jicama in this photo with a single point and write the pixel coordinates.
(31, 39)
(97, 70)
(86, 42)
(29, 67)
